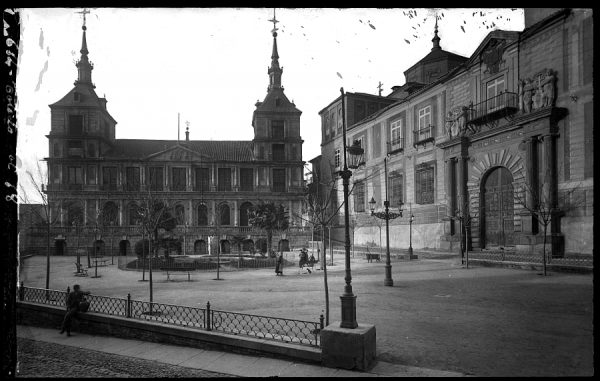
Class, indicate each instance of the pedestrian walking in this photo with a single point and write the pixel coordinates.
(75, 298)
(279, 265)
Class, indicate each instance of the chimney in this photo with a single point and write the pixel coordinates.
(187, 134)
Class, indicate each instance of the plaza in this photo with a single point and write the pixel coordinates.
(479, 321)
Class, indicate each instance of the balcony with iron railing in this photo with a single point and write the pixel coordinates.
(423, 135)
(494, 108)
(395, 145)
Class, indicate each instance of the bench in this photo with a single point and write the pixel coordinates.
(371, 256)
(178, 271)
(100, 261)
(80, 270)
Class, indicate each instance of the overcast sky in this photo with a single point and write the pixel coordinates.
(210, 64)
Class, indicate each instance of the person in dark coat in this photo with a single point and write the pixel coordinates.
(279, 265)
(75, 297)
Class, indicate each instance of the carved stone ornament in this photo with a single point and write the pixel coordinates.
(537, 91)
(456, 121)
(492, 56)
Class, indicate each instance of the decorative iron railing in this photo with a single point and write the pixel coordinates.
(511, 256)
(266, 327)
(423, 135)
(493, 108)
(395, 145)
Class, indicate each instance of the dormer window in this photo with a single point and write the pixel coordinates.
(277, 102)
(77, 96)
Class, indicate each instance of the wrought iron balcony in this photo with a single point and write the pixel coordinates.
(423, 135)
(395, 145)
(493, 108)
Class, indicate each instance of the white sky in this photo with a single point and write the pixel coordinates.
(210, 65)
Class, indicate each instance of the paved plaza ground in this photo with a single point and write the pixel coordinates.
(480, 321)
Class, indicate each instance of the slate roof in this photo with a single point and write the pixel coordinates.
(214, 150)
(268, 104)
(88, 98)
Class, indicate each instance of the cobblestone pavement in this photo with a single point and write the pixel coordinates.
(40, 359)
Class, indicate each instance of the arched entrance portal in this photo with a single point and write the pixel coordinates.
(497, 200)
(200, 247)
(225, 247)
(124, 247)
(61, 247)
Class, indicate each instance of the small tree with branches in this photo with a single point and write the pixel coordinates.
(269, 217)
(49, 214)
(544, 207)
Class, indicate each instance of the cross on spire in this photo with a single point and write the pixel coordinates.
(274, 21)
(380, 87)
(83, 13)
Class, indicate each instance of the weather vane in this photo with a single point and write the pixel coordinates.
(274, 21)
(84, 12)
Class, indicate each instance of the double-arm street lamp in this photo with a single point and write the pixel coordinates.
(387, 216)
(348, 299)
(411, 218)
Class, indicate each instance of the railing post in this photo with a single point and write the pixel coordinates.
(67, 296)
(208, 317)
(322, 321)
(128, 309)
(21, 292)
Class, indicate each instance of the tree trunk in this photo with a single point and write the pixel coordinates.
(150, 248)
(269, 243)
(325, 281)
(544, 248)
(48, 261)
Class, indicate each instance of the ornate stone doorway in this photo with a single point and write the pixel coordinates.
(497, 208)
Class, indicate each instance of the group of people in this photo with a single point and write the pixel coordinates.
(304, 261)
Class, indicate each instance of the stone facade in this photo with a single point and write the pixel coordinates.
(210, 185)
(509, 127)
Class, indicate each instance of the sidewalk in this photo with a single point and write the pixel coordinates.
(217, 361)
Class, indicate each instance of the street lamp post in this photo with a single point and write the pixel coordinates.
(387, 216)
(348, 299)
(410, 222)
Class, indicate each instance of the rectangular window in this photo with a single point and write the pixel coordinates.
(75, 125)
(588, 50)
(55, 171)
(494, 89)
(132, 178)
(588, 127)
(395, 196)
(424, 185)
(279, 180)
(75, 175)
(202, 179)
(109, 178)
(397, 134)
(277, 129)
(337, 159)
(359, 196)
(224, 178)
(424, 118)
(246, 179)
(155, 178)
(91, 174)
(74, 148)
(278, 152)
(179, 178)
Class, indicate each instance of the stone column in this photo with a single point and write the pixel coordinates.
(235, 213)
(528, 221)
(190, 218)
(551, 195)
(120, 212)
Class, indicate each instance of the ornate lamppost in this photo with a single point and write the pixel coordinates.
(387, 216)
(348, 299)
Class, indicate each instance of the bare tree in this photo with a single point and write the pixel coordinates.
(544, 207)
(49, 214)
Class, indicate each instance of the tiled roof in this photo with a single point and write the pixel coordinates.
(214, 150)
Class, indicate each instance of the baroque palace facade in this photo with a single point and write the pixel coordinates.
(477, 136)
(209, 185)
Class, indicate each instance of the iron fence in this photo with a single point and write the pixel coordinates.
(511, 256)
(266, 327)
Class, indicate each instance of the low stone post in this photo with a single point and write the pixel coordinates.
(207, 317)
(128, 309)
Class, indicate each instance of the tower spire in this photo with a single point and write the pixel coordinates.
(275, 70)
(436, 39)
(84, 66)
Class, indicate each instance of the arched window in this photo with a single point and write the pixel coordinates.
(133, 214)
(244, 208)
(224, 218)
(180, 214)
(75, 214)
(202, 215)
(110, 214)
